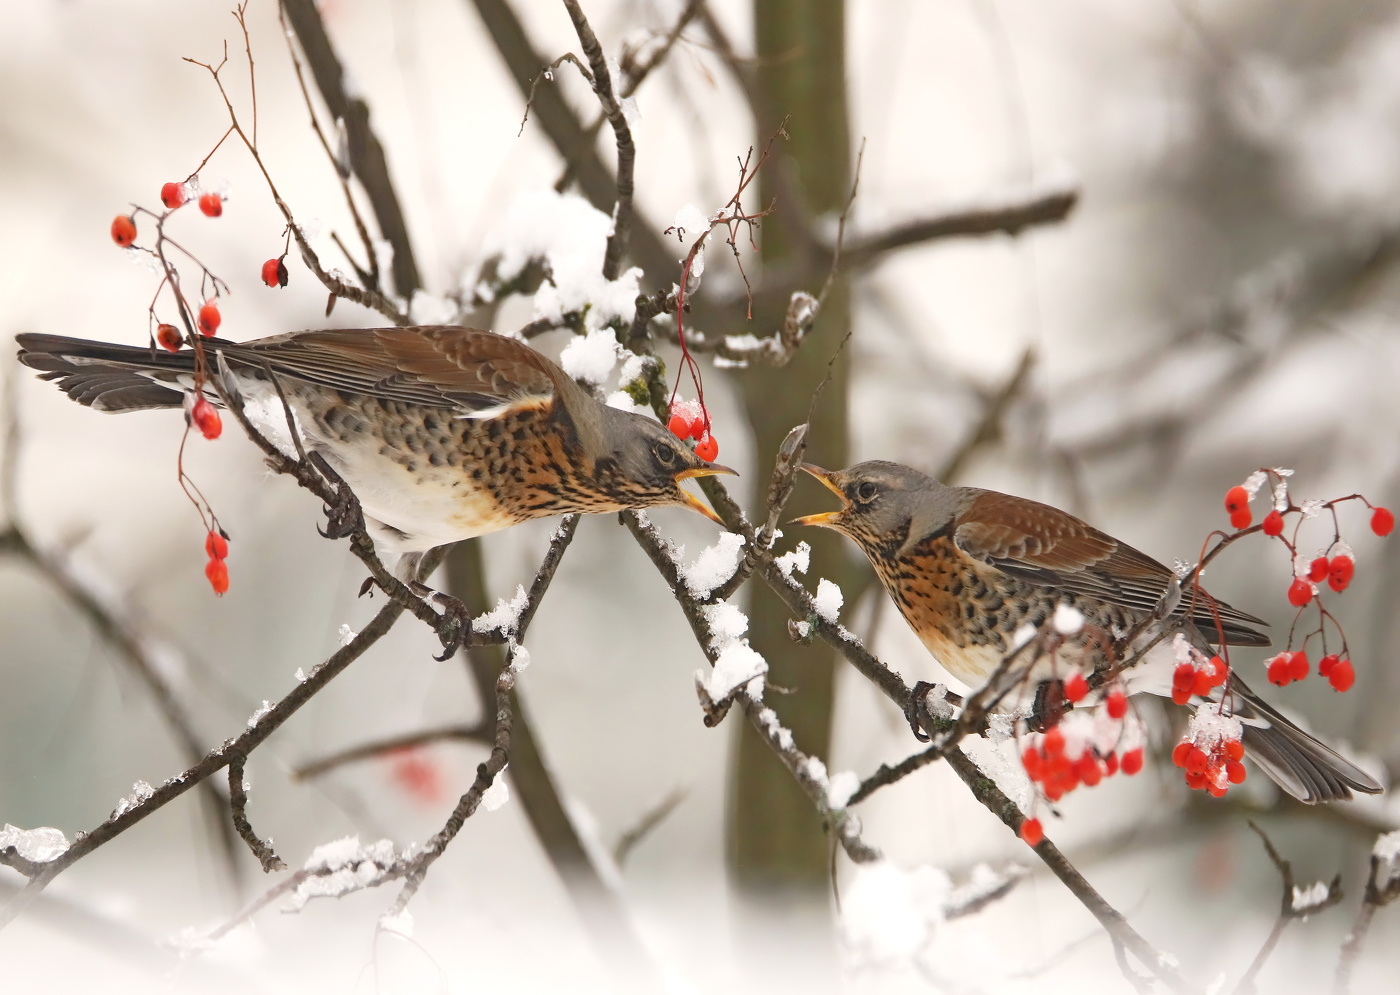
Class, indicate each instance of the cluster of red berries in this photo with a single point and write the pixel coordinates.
(1285, 668)
(1048, 765)
(206, 418)
(1188, 679)
(1213, 768)
(216, 545)
(690, 421)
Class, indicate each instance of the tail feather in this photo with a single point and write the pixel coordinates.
(106, 376)
(1304, 767)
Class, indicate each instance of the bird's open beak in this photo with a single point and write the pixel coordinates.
(691, 501)
(826, 519)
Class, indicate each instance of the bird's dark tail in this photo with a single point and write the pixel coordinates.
(1299, 764)
(110, 377)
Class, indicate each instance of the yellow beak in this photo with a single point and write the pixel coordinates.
(694, 503)
(825, 519)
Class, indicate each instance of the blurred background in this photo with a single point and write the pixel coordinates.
(1220, 298)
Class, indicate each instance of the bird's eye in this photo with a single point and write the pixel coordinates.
(665, 453)
(866, 491)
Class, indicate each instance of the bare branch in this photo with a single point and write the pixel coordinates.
(478, 732)
(238, 795)
(1382, 888)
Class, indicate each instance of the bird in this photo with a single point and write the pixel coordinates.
(968, 567)
(441, 432)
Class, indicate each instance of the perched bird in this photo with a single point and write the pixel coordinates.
(968, 567)
(442, 433)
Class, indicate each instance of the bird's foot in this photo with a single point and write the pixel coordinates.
(916, 713)
(344, 517)
(456, 619)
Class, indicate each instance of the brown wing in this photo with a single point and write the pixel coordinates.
(1043, 545)
(440, 365)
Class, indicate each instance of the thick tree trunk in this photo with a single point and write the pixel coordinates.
(775, 841)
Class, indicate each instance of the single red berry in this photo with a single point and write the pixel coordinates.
(1234, 749)
(1197, 760)
(1076, 687)
(1340, 573)
(1132, 761)
(1031, 760)
(206, 419)
(1202, 683)
(1088, 769)
(1032, 831)
(1342, 675)
(1184, 676)
(216, 546)
(1117, 704)
(707, 448)
(1181, 752)
(211, 204)
(123, 230)
(1236, 499)
(1318, 571)
(1110, 765)
(1054, 743)
(169, 337)
(679, 427)
(699, 427)
(1278, 670)
(1234, 770)
(217, 572)
(209, 319)
(1273, 523)
(1298, 666)
(274, 273)
(172, 195)
(1216, 789)
(1300, 592)
(1382, 521)
(1181, 695)
(1241, 519)
(1196, 780)
(1325, 665)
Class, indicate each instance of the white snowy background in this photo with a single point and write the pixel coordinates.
(1232, 154)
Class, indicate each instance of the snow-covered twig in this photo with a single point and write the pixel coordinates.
(1382, 888)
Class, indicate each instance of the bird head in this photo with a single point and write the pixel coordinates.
(883, 503)
(644, 464)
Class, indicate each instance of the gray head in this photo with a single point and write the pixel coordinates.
(638, 462)
(886, 506)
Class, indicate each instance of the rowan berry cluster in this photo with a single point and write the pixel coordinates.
(1195, 676)
(1211, 754)
(216, 545)
(690, 420)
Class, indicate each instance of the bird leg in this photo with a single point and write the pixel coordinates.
(916, 713)
(456, 619)
(344, 517)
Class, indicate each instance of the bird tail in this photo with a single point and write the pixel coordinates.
(1298, 763)
(107, 376)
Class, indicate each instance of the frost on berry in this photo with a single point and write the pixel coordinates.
(123, 230)
(1210, 752)
(209, 319)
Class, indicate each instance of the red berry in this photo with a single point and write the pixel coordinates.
(1273, 523)
(1241, 519)
(1181, 695)
(274, 273)
(679, 427)
(1317, 572)
(1216, 790)
(1202, 683)
(1236, 499)
(1054, 743)
(1089, 770)
(206, 419)
(1031, 760)
(1110, 764)
(169, 337)
(217, 572)
(1219, 671)
(209, 319)
(1300, 592)
(211, 204)
(1053, 790)
(1278, 670)
(1184, 676)
(1032, 831)
(1298, 666)
(123, 230)
(1234, 770)
(1076, 687)
(1325, 665)
(1234, 749)
(216, 546)
(1132, 761)
(172, 195)
(1197, 760)
(1117, 704)
(1182, 752)
(1340, 573)
(699, 427)
(707, 448)
(1382, 521)
(1196, 780)
(1342, 676)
